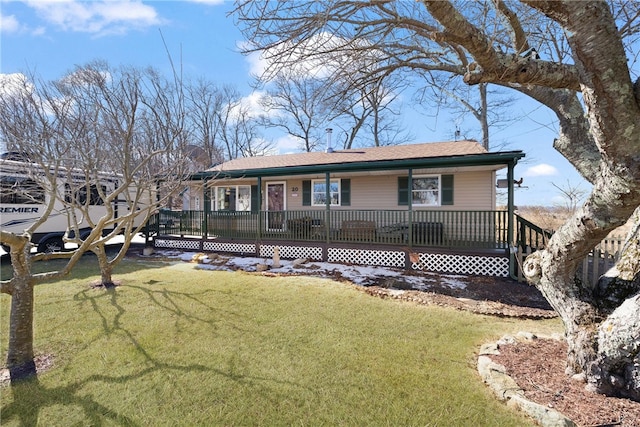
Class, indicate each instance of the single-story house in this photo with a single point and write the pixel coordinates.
(425, 206)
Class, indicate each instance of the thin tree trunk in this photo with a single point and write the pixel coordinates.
(20, 358)
(484, 115)
(106, 268)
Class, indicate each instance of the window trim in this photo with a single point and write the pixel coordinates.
(215, 201)
(323, 182)
(439, 190)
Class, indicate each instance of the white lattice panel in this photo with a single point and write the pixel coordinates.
(366, 257)
(292, 252)
(177, 244)
(463, 264)
(242, 248)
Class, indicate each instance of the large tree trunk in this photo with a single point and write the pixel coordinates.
(618, 293)
(602, 325)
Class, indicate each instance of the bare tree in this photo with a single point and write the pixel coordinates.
(367, 115)
(297, 103)
(205, 104)
(237, 127)
(126, 121)
(580, 71)
(489, 107)
(572, 195)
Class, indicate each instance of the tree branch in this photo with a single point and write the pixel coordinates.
(6, 287)
(492, 66)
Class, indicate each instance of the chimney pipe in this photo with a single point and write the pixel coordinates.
(329, 147)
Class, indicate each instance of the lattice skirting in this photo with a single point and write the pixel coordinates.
(366, 257)
(177, 244)
(482, 265)
(463, 264)
(292, 252)
(238, 248)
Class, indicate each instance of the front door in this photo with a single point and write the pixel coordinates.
(276, 205)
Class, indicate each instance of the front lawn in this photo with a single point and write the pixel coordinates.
(177, 346)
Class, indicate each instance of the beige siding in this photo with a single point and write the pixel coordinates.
(472, 191)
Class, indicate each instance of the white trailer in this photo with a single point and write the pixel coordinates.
(23, 201)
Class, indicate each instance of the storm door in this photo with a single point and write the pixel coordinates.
(276, 205)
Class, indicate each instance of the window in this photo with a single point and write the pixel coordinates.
(79, 196)
(20, 191)
(425, 191)
(232, 198)
(319, 192)
(340, 192)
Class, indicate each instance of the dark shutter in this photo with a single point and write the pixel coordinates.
(447, 189)
(345, 192)
(255, 199)
(306, 192)
(403, 191)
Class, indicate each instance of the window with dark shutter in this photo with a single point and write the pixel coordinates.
(306, 192)
(255, 199)
(447, 189)
(345, 192)
(403, 191)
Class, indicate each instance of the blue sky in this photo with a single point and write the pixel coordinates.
(51, 37)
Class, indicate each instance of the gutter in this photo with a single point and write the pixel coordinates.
(428, 162)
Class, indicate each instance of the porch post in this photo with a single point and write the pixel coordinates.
(206, 199)
(327, 215)
(510, 203)
(260, 224)
(510, 221)
(410, 207)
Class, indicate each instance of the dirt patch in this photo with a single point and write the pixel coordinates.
(43, 362)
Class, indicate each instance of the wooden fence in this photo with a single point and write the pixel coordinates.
(594, 265)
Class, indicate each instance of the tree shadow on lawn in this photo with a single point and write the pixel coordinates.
(30, 397)
(87, 266)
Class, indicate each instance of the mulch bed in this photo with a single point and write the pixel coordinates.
(537, 366)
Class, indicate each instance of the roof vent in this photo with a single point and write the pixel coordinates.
(329, 147)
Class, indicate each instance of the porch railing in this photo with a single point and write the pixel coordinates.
(455, 229)
(530, 236)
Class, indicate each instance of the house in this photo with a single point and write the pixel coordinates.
(424, 206)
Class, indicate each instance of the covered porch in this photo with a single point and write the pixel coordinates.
(451, 241)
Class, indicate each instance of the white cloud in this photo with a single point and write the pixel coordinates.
(251, 104)
(542, 169)
(257, 63)
(288, 144)
(318, 56)
(15, 84)
(96, 17)
(9, 24)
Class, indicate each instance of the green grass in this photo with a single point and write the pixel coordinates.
(176, 346)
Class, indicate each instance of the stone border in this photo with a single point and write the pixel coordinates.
(506, 389)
